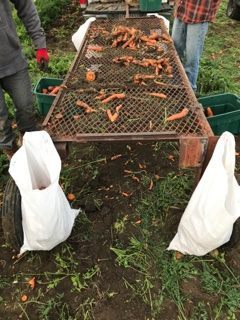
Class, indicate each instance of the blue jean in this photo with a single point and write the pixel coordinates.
(19, 88)
(189, 41)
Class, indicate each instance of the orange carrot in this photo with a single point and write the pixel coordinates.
(45, 91)
(114, 96)
(95, 48)
(209, 112)
(90, 75)
(71, 196)
(112, 117)
(32, 282)
(85, 106)
(118, 108)
(178, 115)
(24, 298)
(159, 95)
(54, 91)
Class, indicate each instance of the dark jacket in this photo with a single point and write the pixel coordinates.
(12, 58)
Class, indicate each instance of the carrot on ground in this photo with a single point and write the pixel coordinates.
(32, 282)
(178, 115)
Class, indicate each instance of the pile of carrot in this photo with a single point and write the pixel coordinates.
(132, 38)
(51, 90)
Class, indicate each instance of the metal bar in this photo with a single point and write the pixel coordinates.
(192, 151)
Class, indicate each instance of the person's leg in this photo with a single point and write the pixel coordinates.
(19, 88)
(196, 34)
(179, 32)
(7, 136)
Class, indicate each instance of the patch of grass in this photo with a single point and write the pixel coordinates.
(200, 312)
(223, 284)
(219, 67)
(85, 310)
(170, 192)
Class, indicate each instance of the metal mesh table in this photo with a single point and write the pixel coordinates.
(118, 70)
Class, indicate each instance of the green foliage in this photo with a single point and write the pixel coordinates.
(50, 10)
(211, 80)
(223, 285)
(200, 312)
(172, 191)
(219, 67)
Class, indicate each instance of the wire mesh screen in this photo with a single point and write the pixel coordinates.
(105, 53)
(126, 79)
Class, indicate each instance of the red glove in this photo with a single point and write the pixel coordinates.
(42, 58)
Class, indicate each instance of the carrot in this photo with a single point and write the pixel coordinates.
(24, 298)
(178, 115)
(32, 282)
(114, 97)
(54, 91)
(45, 91)
(90, 75)
(209, 112)
(118, 108)
(128, 42)
(85, 106)
(159, 95)
(71, 196)
(112, 117)
(95, 48)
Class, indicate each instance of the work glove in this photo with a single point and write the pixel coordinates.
(42, 58)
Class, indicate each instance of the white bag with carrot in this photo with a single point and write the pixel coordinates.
(47, 217)
(207, 222)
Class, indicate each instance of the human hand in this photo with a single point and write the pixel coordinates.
(42, 58)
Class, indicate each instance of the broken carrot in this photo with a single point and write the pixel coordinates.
(159, 95)
(138, 221)
(71, 196)
(126, 194)
(90, 76)
(209, 112)
(178, 115)
(150, 185)
(54, 91)
(58, 116)
(24, 298)
(95, 48)
(118, 108)
(114, 97)
(32, 282)
(112, 117)
(45, 91)
(85, 106)
(178, 255)
(116, 157)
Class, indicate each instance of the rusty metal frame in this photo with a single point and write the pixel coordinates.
(193, 147)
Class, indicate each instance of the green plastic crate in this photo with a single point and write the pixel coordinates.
(44, 100)
(150, 5)
(226, 110)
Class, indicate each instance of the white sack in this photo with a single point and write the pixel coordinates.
(165, 20)
(78, 36)
(208, 220)
(47, 217)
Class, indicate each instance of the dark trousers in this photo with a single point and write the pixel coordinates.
(19, 88)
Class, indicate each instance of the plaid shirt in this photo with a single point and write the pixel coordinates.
(196, 11)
